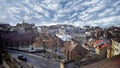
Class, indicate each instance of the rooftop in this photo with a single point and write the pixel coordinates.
(113, 62)
(100, 44)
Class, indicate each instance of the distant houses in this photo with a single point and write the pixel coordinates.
(87, 45)
(103, 43)
(19, 37)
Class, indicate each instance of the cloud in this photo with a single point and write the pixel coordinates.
(3, 17)
(13, 10)
(106, 12)
(26, 17)
(90, 2)
(76, 12)
(106, 21)
(38, 8)
(73, 15)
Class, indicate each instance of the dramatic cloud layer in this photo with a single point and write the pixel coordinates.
(76, 12)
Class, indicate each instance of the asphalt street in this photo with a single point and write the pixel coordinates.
(35, 60)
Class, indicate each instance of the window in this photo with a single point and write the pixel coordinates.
(117, 50)
(32, 48)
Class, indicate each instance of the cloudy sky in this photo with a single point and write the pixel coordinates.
(48, 12)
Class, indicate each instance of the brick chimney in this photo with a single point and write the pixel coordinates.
(67, 64)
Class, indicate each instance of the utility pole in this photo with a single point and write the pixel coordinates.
(58, 45)
(32, 66)
(44, 46)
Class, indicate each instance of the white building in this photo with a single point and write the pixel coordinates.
(30, 48)
(39, 29)
(64, 37)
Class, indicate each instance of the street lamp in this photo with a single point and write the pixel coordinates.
(44, 45)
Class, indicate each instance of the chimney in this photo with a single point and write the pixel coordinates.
(67, 64)
(67, 54)
(70, 55)
(109, 52)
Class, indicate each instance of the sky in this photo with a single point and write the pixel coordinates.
(49, 12)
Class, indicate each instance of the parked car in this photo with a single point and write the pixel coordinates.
(22, 57)
(48, 57)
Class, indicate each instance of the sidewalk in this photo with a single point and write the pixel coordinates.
(22, 64)
(5, 65)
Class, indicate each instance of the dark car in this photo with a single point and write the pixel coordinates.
(22, 57)
(48, 57)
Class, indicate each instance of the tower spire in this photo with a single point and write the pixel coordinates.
(23, 21)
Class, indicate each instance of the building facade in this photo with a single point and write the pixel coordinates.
(115, 48)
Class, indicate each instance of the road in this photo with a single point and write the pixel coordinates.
(36, 61)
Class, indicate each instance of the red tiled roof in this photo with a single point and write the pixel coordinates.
(97, 41)
(100, 44)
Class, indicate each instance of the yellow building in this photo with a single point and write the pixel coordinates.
(115, 47)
